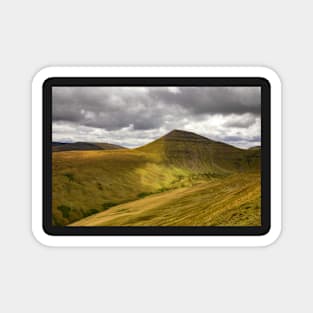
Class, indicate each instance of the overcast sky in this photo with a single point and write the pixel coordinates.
(134, 116)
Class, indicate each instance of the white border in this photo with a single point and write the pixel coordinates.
(156, 241)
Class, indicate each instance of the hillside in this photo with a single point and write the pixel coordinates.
(228, 202)
(170, 168)
(257, 148)
(58, 146)
(200, 154)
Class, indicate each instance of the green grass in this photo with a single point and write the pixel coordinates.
(107, 205)
(144, 194)
(65, 210)
(69, 176)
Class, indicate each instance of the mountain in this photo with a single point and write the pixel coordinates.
(173, 180)
(200, 154)
(57, 146)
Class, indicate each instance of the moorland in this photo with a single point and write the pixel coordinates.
(180, 179)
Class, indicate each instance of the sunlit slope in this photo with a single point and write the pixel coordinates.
(88, 182)
(202, 155)
(231, 201)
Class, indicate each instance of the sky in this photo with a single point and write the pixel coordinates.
(134, 116)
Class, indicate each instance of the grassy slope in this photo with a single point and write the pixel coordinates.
(230, 201)
(87, 182)
(201, 155)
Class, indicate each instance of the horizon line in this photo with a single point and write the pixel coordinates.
(179, 130)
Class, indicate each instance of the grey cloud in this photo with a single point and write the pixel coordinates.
(113, 107)
(241, 121)
(214, 100)
(106, 107)
(149, 111)
(239, 138)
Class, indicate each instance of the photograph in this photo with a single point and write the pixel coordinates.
(156, 156)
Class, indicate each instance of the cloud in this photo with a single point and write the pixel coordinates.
(135, 115)
(213, 100)
(240, 121)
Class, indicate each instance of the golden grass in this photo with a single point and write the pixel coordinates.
(167, 182)
(88, 180)
(230, 201)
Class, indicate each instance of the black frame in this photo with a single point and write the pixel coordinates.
(158, 230)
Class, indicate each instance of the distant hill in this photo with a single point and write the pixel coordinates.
(257, 148)
(58, 146)
(179, 179)
(55, 143)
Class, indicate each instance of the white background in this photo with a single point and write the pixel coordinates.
(34, 34)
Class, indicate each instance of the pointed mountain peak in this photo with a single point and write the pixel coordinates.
(183, 135)
(177, 131)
